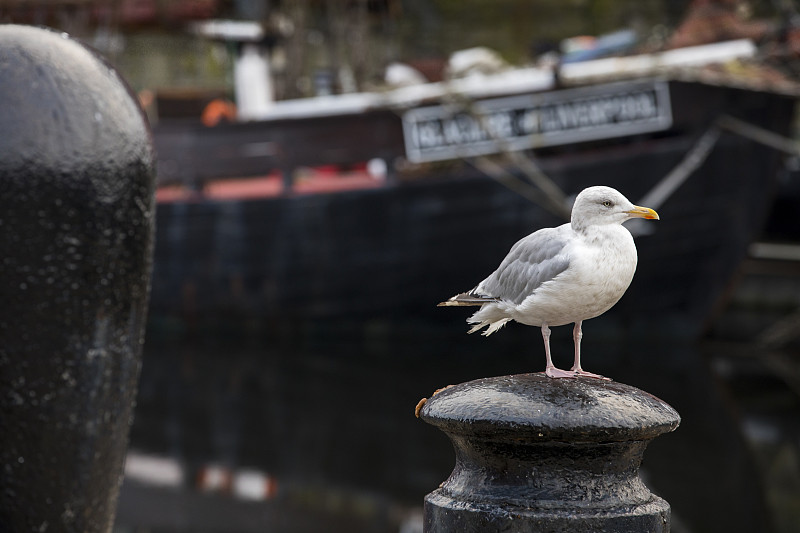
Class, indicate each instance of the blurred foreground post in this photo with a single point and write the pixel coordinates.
(541, 454)
(76, 226)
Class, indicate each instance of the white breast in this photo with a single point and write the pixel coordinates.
(602, 264)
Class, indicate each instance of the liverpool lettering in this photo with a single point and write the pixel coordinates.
(520, 122)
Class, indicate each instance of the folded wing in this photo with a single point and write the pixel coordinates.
(533, 260)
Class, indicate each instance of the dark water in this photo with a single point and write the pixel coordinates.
(327, 410)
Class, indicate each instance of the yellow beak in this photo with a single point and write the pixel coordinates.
(643, 212)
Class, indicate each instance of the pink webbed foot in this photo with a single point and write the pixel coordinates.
(553, 372)
(583, 373)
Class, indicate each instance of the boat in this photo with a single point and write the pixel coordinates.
(306, 280)
(240, 243)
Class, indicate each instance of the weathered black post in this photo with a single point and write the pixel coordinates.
(76, 222)
(536, 454)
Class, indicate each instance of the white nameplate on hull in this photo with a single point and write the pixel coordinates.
(534, 120)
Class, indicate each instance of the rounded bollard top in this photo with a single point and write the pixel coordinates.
(65, 107)
(538, 409)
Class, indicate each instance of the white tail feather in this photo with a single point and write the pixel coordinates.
(493, 326)
(492, 317)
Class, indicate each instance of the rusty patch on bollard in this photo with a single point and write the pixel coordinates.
(423, 401)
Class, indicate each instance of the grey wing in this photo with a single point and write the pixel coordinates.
(533, 260)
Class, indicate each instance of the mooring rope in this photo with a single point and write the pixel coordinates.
(702, 148)
(759, 134)
(539, 188)
(695, 157)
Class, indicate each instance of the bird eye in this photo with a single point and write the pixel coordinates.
(608, 203)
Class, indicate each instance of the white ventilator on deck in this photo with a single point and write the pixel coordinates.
(254, 95)
(251, 73)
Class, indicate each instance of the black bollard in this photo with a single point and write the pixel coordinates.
(546, 455)
(76, 226)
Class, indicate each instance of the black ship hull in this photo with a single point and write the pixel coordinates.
(396, 250)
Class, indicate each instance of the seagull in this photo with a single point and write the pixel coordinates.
(556, 276)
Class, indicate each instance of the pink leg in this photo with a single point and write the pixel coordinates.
(577, 335)
(551, 371)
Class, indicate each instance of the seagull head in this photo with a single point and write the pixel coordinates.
(603, 205)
